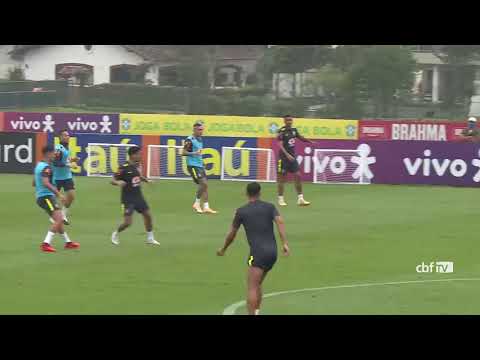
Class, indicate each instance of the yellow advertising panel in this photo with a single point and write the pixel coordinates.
(235, 126)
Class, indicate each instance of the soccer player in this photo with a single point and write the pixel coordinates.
(62, 172)
(46, 195)
(257, 217)
(471, 133)
(193, 151)
(129, 179)
(287, 162)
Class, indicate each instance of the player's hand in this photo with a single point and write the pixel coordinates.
(220, 252)
(290, 157)
(121, 183)
(74, 159)
(198, 152)
(286, 249)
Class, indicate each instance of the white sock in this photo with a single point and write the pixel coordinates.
(65, 211)
(257, 312)
(49, 237)
(300, 196)
(150, 235)
(66, 238)
(205, 205)
(197, 201)
(280, 198)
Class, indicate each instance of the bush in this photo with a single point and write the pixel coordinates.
(137, 95)
(16, 74)
(248, 106)
(217, 105)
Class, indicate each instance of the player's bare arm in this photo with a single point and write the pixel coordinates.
(283, 236)
(304, 139)
(228, 240)
(116, 182)
(145, 180)
(46, 182)
(187, 149)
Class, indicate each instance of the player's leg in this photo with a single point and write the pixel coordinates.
(255, 276)
(69, 189)
(198, 196)
(127, 221)
(61, 184)
(257, 311)
(298, 186)
(206, 206)
(281, 179)
(143, 209)
(53, 209)
(60, 219)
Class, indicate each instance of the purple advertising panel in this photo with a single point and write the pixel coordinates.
(54, 122)
(388, 162)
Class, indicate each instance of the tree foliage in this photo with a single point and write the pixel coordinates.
(459, 72)
(381, 73)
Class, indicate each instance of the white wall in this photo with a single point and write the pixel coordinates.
(39, 64)
(152, 74)
(6, 62)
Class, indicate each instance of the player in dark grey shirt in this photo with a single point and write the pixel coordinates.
(257, 217)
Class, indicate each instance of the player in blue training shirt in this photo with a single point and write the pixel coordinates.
(62, 172)
(193, 151)
(46, 195)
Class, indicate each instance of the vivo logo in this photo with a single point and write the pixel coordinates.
(82, 125)
(445, 267)
(456, 167)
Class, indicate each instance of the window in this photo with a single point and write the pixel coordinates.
(76, 74)
(167, 77)
(124, 73)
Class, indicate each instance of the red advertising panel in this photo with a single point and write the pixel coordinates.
(410, 130)
(374, 130)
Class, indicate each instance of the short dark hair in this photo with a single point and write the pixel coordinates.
(198, 123)
(62, 131)
(288, 116)
(47, 149)
(133, 150)
(253, 189)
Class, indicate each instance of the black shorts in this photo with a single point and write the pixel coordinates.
(286, 166)
(264, 261)
(48, 203)
(134, 204)
(197, 173)
(67, 185)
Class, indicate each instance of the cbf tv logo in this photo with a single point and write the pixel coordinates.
(437, 267)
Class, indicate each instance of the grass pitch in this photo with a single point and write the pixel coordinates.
(349, 235)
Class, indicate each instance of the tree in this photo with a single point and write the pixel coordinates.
(459, 71)
(381, 73)
(290, 59)
(16, 74)
(196, 65)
